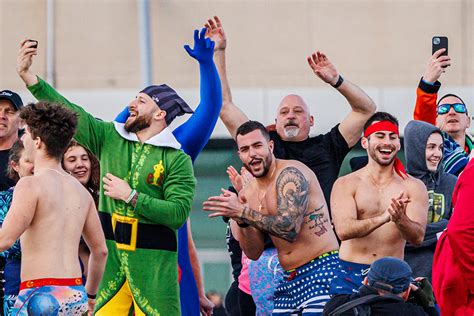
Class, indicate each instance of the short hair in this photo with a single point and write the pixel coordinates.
(14, 156)
(380, 116)
(251, 126)
(54, 124)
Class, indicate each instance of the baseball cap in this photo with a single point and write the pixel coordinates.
(13, 97)
(168, 100)
(390, 274)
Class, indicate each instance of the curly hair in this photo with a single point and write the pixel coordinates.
(53, 124)
(93, 184)
(14, 156)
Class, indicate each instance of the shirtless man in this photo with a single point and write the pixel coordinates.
(50, 211)
(378, 208)
(284, 200)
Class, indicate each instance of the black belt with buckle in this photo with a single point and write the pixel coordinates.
(148, 236)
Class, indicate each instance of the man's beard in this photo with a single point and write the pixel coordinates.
(291, 129)
(373, 155)
(140, 123)
(267, 161)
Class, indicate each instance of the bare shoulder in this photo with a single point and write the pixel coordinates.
(414, 186)
(295, 167)
(350, 179)
(28, 184)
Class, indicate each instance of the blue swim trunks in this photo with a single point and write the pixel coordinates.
(348, 278)
(51, 297)
(305, 290)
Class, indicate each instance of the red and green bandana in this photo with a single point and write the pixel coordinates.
(390, 127)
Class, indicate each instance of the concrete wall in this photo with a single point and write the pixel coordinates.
(373, 42)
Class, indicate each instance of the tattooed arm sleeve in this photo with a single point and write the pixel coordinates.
(292, 201)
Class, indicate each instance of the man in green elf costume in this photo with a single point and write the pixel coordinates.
(148, 187)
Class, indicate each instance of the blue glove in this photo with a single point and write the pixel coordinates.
(203, 47)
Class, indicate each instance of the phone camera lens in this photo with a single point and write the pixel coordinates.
(436, 40)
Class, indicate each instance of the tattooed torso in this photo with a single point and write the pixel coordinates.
(293, 212)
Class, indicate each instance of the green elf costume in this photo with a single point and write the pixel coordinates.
(142, 263)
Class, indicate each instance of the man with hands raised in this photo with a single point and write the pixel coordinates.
(449, 114)
(378, 208)
(148, 187)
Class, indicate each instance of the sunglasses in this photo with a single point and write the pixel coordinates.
(444, 108)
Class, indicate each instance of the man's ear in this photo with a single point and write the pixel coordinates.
(38, 142)
(364, 142)
(159, 115)
(271, 145)
(311, 120)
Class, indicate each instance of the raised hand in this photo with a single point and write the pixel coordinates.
(215, 32)
(239, 181)
(323, 68)
(203, 47)
(25, 60)
(436, 66)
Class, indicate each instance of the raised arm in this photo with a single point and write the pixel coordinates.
(344, 213)
(427, 92)
(231, 115)
(362, 106)
(411, 215)
(196, 131)
(21, 213)
(90, 131)
(95, 240)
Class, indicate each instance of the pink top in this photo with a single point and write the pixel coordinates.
(244, 281)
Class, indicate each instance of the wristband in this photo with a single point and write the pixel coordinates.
(340, 80)
(91, 296)
(130, 197)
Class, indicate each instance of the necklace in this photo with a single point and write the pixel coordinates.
(380, 187)
(265, 192)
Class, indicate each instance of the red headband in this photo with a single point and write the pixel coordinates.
(381, 126)
(390, 127)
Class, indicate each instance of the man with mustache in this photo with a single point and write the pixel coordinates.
(285, 201)
(378, 208)
(323, 154)
(449, 114)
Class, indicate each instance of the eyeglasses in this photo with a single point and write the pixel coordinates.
(444, 108)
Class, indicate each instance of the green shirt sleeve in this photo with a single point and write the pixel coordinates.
(179, 186)
(90, 131)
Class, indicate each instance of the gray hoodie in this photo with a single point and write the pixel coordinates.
(440, 186)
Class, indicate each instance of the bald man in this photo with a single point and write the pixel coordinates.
(324, 153)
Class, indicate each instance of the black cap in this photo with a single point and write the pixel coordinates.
(13, 97)
(168, 100)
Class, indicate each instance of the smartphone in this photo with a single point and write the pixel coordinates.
(36, 43)
(439, 42)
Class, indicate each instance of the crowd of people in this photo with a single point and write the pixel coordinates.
(99, 224)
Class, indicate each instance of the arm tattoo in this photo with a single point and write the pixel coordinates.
(292, 201)
(316, 221)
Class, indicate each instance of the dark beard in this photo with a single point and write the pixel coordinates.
(140, 123)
